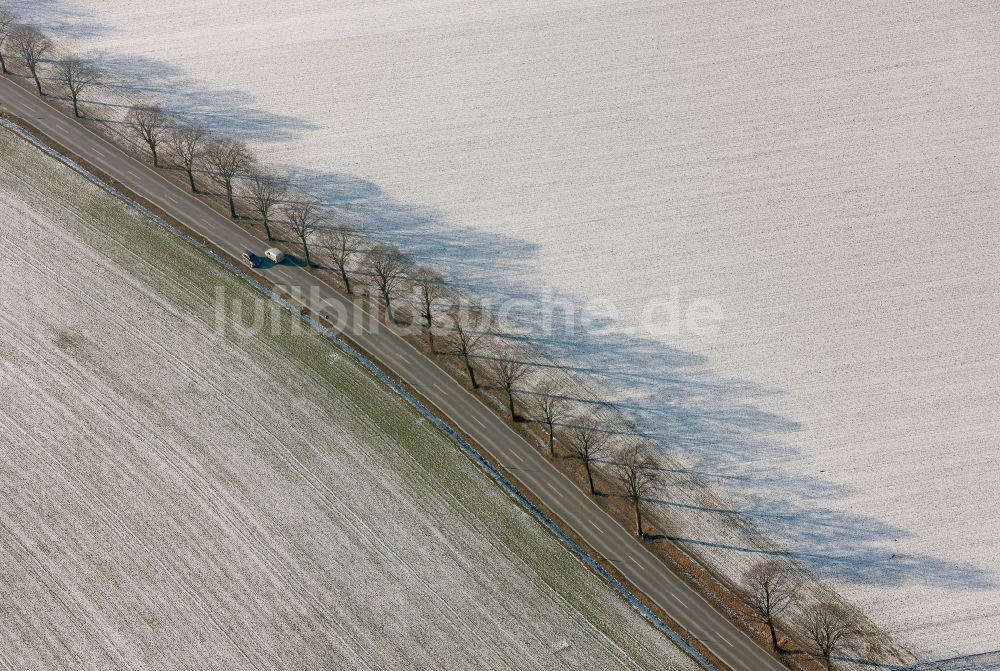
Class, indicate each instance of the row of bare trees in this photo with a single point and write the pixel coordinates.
(772, 589)
(190, 146)
(454, 328)
(231, 166)
(384, 271)
(195, 151)
(468, 334)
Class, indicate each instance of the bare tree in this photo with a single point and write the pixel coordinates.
(507, 369)
(551, 407)
(586, 442)
(151, 125)
(187, 144)
(829, 627)
(467, 337)
(431, 292)
(32, 47)
(7, 23)
(225, 160)
(304, 219)
(388, 268)
(768, 590)
(342, 244)
(77, 76)
(262, 190)
(638, 477)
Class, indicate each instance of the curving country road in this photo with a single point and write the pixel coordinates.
(462, 408)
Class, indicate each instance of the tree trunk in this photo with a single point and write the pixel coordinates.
(590, 477)
(552, 441)
(190, 172)
(347, 282)
(472, 373)
(76, 108)
(388, 305)
(829, 664)
(430, 339)
(267, 229)
(305, 248)
(774, 636)
(3, 65)
(38, 82)
(638, 519)
(510, 404)
(232, 203)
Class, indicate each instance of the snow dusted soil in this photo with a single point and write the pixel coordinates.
(179, 491)
(826, 174)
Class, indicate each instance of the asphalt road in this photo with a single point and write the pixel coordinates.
(462, 408)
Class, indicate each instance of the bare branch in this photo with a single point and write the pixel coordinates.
(76, 75)
(768, 590)
(225, 160)
(586, 442)
(7, 23)
(507, 370)
(638, 477)
(431, 292)
(187, 144)
(304, 219)
(342, 244)
(262, 191)
(829, 627)
(151, 125)
(32, 47)
(388, 268)
(467, 337)
(551, 407)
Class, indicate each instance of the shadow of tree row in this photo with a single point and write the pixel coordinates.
(227, 111)
(716, 424)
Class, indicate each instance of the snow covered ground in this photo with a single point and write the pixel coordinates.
(825, 174)
(180, 491)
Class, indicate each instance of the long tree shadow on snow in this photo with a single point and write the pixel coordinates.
(840, 545)
(715, 424)
(131, 78)
(54, 17)
(230, 112)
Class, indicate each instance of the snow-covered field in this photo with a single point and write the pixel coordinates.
(826, 174)
(178, 491)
